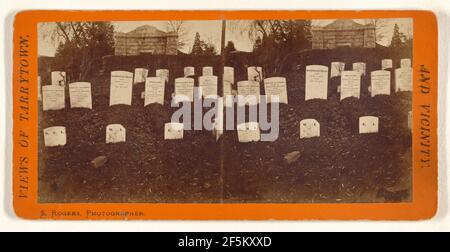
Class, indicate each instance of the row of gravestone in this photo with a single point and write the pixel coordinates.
(316, 86)
(247, 132)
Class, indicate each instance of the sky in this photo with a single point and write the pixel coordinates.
(210, 31)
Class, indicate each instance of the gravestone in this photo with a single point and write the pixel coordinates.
(227, 94)
(316, 86)
(403, 79)
(207, 71)
(163, 73)
(208, 85)
(55, 136)
(249, 92)
(386, 63)
(121, 88)
(173, 131)
(410, 120)
(254, 73)
(140, 74)
(368, 124)
(184, 89)
(53, 97)
(309, 128)
(115, 133)
(154, 90)
(360, 67)
(228, 74)
(189, 71)
(248, 132)
(336, 69)
(59, 78)
(405, 63)
(80, 95)
(39, 89)
(276, 86)
(380, 82)
(350, 84)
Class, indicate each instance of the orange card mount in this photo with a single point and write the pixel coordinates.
(226, 115)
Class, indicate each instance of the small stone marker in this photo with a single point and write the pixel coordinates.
(99, 161)
(208, 85)
(386, 63)
(291, 157)
(403, 79)
(140, 74)
(276, 86)
(248, 132)
(368, 124)
(228, 74)
(173, 131)
(59, 78)
(39, 89)
(55, 136)
(249, 92)
(410, 120)
(184, 90)
(254, 73)
(115, 133)
(189, 71)
(360, 67)
(80, 95)
(336, 69)
(350, 84)
(309, 128)
(53, 97)
(121, 88)
(163, 73)
(207, 71)
(405, 63)
(380, 82)
(154, 90)
(316, 86)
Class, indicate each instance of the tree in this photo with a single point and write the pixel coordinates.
(398, 39)
(82, 46)
(178, 27)
(200, 47)
(380, 28)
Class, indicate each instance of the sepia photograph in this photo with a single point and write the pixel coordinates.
(225, 111)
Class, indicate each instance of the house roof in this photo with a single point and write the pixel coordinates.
(344, 24)
(146, 31)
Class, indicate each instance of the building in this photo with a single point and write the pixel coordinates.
(343, 33)
(145, 39)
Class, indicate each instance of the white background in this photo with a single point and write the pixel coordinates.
(8, 221)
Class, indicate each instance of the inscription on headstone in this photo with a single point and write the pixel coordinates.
(173, 131)
(121, 88)
(53, 97)
(248, 132)
(228, 74)
(154, 90)
(309, 128)
(115, 133)
(316, 86)
(208, 85)
(55, 136)
(403, 79)
(276, 86)
(184, 89)
(249, 92)
(380, 83)
(80, 95)
(360, 67)
(368, 124)
(163, 73)
(207, 71)
(350, 84)
(405, 63)
(386, 63)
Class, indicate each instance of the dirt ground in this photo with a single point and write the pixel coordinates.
(339, 166)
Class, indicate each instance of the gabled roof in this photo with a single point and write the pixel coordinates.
(344, 24)
(146, 31)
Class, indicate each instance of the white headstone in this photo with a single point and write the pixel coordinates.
(368, 124)
(80, 95)
(154, 90)
(184, 89)
(309, 128)
(140, 74)
(403, 79)
(207, 71)
(208, 85)
(386, 63)
(39, 89)
(249, 92)
(276, 86)
(316, 86)
(59, 78)
(360, 67)
(405, 63)
(350, 84)
(336, 69)
(173, 131)
(380, 83)
(227, 94)
(163, 73)
(55, 136)
(228, 74)
(53, 97)
(121, 88)
(115, 133)
(189, 71)
(248, 132)
(255, 73)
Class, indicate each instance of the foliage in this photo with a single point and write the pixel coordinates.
(200, 47)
